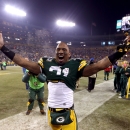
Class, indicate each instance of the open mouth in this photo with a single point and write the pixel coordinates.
(61, 58)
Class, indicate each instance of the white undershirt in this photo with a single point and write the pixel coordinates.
(60, 96)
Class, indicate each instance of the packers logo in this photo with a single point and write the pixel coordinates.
(35, 83)
(60, 119)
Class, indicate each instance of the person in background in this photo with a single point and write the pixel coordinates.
(62, 74)
(114, 68)
(111, 68)
(1, 65)
(117, 87)
(125, 73)
(36, 83)
(4, 64)
(77, 83)
(106, 73)
(24, 72)
(92, 78)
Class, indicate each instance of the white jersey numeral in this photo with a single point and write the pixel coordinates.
(65, 71)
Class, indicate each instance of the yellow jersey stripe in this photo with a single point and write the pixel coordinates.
(82, 64)
(40, 62)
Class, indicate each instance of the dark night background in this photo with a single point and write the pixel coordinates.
(104, 13)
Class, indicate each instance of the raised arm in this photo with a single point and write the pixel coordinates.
(107, 61)
(32, 66)
(96, 67)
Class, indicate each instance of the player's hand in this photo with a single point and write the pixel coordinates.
(125, 47)
(1, 40)
(31, 73)
(128, 38)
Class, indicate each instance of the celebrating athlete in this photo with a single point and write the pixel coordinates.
(62, 72)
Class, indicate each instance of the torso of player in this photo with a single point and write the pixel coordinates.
(68, 72)
(61, 93)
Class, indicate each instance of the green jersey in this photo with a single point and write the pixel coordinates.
(69, 73)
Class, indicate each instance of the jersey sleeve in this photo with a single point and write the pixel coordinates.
(81, 67)
(40, 63)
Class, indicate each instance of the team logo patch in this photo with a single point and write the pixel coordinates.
(60, 119)
(35, 83)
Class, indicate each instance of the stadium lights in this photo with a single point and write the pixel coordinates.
(65, 23)
(15, 11)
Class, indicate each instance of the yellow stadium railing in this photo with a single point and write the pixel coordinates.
(128, 88)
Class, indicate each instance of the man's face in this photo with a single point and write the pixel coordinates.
(62, 53)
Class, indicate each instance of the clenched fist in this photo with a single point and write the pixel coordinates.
(1, 41)
(127, 39)
(125, 47)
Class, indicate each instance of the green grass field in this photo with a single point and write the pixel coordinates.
(114, 114)
(14, 95)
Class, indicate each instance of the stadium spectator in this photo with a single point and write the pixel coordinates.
(125, 73)
(36, 83)
(114, 68)
(1, 65)
(106, 73)
(62, 74)
(117, 87)
(4, 64)
(110, 68)
(24, 72)
(77, 83)
(92, 78)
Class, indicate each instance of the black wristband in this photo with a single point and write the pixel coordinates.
(116, 56)
(8, 53)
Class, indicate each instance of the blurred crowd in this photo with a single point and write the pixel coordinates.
(35, 42)
(35, 52)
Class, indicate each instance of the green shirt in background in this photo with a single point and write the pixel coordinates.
(4, 63)
(35, 81)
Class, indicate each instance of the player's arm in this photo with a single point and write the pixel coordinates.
(96, 67)
(32, 66)
(107, 61)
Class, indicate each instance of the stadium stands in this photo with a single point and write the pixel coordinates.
(36, 42)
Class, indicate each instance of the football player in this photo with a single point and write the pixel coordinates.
(62, 72)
